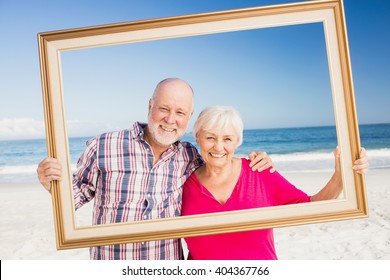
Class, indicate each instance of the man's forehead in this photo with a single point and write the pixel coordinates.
(179, 99)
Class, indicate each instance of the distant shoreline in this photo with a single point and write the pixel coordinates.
(246, 129)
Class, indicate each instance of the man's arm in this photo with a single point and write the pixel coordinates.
(84, 178)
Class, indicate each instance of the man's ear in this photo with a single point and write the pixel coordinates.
(150, 105)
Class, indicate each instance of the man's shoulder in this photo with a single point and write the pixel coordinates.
(113, 134)
(188, 150)
(109, 137)
(187, 145)
(122, 133)
(189, 153)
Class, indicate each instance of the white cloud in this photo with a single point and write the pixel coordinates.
(28, 128)
(21, 128)
(87, 128)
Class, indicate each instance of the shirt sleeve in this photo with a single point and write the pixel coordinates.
(86, 176)
(283, 192)
(195, 159)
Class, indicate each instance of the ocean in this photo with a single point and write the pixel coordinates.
(291, 149)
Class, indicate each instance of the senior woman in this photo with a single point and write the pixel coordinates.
(226, 183)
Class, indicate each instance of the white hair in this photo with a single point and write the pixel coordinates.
(219, 118)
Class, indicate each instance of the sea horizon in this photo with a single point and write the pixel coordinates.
(302, 149)
(190, 132)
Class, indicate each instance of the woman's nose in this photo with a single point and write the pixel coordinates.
(218, 145)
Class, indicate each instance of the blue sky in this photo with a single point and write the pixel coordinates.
(260, 72)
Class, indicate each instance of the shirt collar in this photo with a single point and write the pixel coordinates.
(138, 130)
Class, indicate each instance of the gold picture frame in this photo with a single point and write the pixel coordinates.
(329, 13)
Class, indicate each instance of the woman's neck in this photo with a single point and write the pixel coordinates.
(220, 181)
(214, 171)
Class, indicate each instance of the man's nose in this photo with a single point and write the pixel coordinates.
(170, 118)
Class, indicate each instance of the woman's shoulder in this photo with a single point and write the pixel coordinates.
(246, 169)
(245, 162)
(191, 181)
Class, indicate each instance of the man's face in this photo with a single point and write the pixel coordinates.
(169, 113)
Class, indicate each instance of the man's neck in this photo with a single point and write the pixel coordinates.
(157, 149)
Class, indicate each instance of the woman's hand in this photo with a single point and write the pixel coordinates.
(361, 164)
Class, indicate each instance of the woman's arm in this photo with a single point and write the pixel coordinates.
(335, 185)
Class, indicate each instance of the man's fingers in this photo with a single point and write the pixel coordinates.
(48, 170)
(257, 157)
(260, 166)
(260, 161)
(251, 157)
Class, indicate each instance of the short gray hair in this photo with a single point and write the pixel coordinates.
(218, 118)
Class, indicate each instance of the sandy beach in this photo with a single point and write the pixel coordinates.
(27, 229)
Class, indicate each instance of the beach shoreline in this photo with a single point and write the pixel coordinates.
(27, 228)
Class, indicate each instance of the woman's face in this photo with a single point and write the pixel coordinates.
(217, 147)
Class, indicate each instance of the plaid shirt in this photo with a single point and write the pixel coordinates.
(117, 170)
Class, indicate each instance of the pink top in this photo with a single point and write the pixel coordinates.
(253, 190)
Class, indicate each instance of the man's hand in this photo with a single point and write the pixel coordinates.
(261, 161)
(48, 170)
